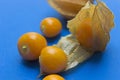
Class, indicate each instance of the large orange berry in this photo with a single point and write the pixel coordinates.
(30, 45)
(50, 27)
(52, 60)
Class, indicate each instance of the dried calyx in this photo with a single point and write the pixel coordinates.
(90, 33)
(92, 25)
(68, 8)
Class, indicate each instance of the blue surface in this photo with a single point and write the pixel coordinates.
(20, 16)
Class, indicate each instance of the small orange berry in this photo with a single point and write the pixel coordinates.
(53, 77)
(84, 33)
(52, 60)
(50, 27)
(30, 45)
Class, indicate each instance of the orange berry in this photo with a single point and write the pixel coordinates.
(30, 45)
(52, 60)
(84, 33)
(50, 27)
(53, 77)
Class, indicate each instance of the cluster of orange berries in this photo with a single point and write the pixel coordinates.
(33, 46)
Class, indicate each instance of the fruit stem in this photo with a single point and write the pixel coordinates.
(24, 48)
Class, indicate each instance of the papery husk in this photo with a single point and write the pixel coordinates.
(68, 8)
(74, 51)
(102, 20)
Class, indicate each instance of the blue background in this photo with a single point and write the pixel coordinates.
(20, 16)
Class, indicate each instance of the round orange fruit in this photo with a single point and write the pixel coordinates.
(84, 33)
(52, 60)
(50, 27)
(30, 45)
(53, 77)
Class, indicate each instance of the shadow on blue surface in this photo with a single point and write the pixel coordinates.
(31, 64)
(95, 59)
(52, 40)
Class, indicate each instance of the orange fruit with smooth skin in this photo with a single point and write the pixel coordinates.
(52, 60)
(50, 27)
(30, 45)
(53, 77)
(84, 33)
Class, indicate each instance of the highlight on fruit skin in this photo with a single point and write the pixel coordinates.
(30, 45)
(53, 77)
(52, 60)
(68, 8)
